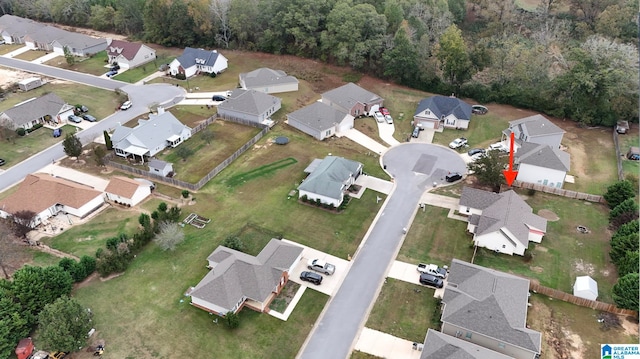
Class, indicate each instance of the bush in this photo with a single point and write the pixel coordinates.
(181, 76)
(625, 292)
(618, 193)
(233, 242)
(304, 198)
(185, 193)
(212, 75)
(232, 320)
(21, 132)
(628, 206)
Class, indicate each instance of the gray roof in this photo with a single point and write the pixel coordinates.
(249, 101)
(445, 106)
(159, 164)
(438, 345)
(505, 210)
(73, 40)
(536, 125)
(150, 134)
(330, 176)
(348, 95)
(203, 57)
(239, 275)
(49, 104)
(489, 302)
(318, 116)
(17, 26)
(543, 156)
(266, 77)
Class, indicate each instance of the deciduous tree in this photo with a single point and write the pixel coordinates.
(488, 169)
(169, 236)
(63, 325)
(401, 61)
(453, 56)
(72, 146)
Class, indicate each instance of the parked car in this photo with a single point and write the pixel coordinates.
(453, 176)
(111, 73)
(389, 119)
(74, 118)
(2, 162)
(474, 151)
(115, 67)
(622, 126)
(126, 105)
(384, 111)
(321, 266)
(416, 132)
(433, 269)
(311, 277)
(218, 98)
(82, 108)
(378, 116)
(57, 132)
(1, 42)
(479, 109)
(458, 142)
(431, 280)
(498, 146)
(89, 118)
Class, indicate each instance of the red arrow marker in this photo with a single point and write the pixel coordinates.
(510, 174)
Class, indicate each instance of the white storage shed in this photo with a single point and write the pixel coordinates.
(585, 287)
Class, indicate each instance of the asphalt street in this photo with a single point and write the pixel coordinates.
(142, 96)
(415, 167)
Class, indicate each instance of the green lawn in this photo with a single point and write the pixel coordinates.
(5, 49)
(20, 148)
(630, 168)
(483, 131)
(94, 65)
(30, 55)
(405, 310)
(42, 259)
(140, 72)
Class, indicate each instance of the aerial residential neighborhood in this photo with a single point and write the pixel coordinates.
(248, 191)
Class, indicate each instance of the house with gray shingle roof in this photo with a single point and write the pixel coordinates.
(13, 29)
(502, 222)
(329, 179)
(249, 105)
(352, 99)
(50, 38)
(47, 108)
(489, 308)
(129, 54)
(320, 120)
(268, 81)
(534, 129)
(542, 164)
(238, 280)
(438, 345)
(149, 136)
(194, 61)
(442, 111)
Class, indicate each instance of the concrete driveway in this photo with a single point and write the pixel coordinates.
(383, 345)
(330, 283)
(363, 140)
(385, 131)
(45, 58)
(407, 272)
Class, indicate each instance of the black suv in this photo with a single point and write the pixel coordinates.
(452, 177)
(312, 277)
(431, 280)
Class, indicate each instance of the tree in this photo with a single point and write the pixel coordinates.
(13, 324)
(629, 263)
(621, 245)
(625, 292)
(102, 17)
(618, 193)
(23, 222)
(232, 320)
(98, 155)
(401, 61)
(184, 152)
(624, 212)
(63, 325)
(233, 242)
(626, 229)
(206, 135)
(144, 220)
(454, 59)
(488, 169)
(107, 140)
(72, 146)
(69, 56)
(169, 236)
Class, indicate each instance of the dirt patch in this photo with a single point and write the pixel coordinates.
(575, 345)
(116, 275)
(542, 249)
(537, 269)
(548, 215)
(581, 267)
(630, 326)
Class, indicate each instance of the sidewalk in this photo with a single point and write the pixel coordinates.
(385, 345)
(374, 183)
(45, 58)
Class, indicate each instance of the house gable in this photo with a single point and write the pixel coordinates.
(150, 136)
(441, 107)
(251, 102)
(330, 178)
(438, 345)
(316, 119)
(351, 97)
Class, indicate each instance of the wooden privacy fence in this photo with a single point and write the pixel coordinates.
(566, 297)
(616, 142)
(560, 192)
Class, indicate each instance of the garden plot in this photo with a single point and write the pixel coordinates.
(196, 220)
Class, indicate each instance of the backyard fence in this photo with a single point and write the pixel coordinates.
(559, 191)
(616, 143)
(566, 297)
(191, 186)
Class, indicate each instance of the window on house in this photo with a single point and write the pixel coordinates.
(458, 334)
(468, 335)
(468, 209)
(504, 246)
(501, 345)
(328, 133)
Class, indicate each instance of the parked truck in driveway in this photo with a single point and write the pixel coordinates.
(321, 266)
(432, 269)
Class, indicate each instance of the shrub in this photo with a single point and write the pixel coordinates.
(304, 198)
(625, 292)
(212, 75)
(232, 320)
(21, 132)
(185, 193)
(233, 242)
(628, 206)
(618, 193)
(181, 76)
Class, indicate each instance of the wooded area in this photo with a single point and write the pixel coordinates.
(567, 58)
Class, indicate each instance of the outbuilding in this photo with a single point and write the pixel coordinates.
(585, 287)
(30, 83)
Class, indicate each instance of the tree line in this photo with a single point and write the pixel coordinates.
(567, 58)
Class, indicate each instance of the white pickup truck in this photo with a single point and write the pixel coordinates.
(440, 272)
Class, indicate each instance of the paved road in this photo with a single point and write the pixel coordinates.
(415, 168)
(142, 96)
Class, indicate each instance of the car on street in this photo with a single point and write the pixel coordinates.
(126, 105)
(384, 111)
(311, 277)
(479, 109)
(74, 118)
(452, 177)
(89, 118)
(458, 142)
(321, 266)
(218, 98)
(2, 162)
(378, 116)
(416, 132)
(431, 280)
(389, 119)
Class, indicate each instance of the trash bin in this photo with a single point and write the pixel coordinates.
(415, 346)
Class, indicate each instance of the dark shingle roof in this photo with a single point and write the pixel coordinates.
(444, 106)
(543, 156)
(536, 125)
(318, 116)
(203, 57)
(266, 77)
(125, 48)
(438, 345)
(489, 302)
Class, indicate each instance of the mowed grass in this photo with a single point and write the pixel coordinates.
(404, 310)
(86, 239)
(631, 139)
(30, 55)
(138, 73)
(6, 48)
(21, 148)
(95, 65)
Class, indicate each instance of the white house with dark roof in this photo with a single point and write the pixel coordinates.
(320, 120)
(129, 54)
(46, 196)
(238, 280)
(502, 222)
(438, 345)
(352, 99)
(194, 61)
(150, 136)
(268, 81)
(489, 308)
(542, 164)
(442, 111)
(535, 129)
(50, 38)
(329, 179)
(249, 105)
(49, 107)
(126, 191)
